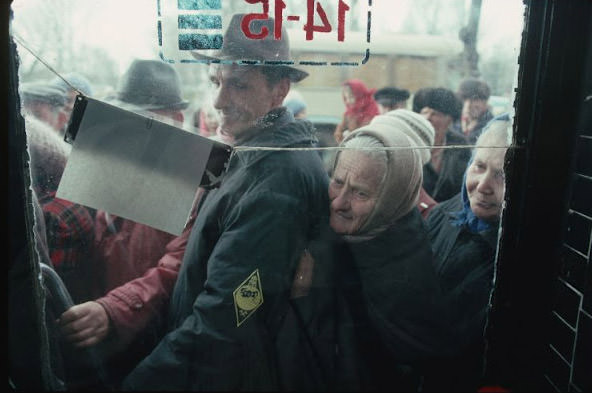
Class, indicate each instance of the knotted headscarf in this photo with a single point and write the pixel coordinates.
(400, 187)
(364, 108)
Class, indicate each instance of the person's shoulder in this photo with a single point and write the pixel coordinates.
(443, 212)
(455, 138)
(67, 216)
(452, 205)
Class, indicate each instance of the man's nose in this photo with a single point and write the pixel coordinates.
(221, 98)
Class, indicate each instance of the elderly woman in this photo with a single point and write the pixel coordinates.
(384, 264)
(463, 232)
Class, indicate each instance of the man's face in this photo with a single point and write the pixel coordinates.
(475, 107)
(243, 95)
(353, 191)
(440, 121)
(384, 108)
(485, 183)
(387, 107)
(47, 113)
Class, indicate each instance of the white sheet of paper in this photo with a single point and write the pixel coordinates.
(134, 167)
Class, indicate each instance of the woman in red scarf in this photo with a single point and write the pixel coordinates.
(360, 107)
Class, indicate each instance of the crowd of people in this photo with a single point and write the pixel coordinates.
(374, 275)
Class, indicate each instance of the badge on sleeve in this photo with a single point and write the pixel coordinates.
(247, 297)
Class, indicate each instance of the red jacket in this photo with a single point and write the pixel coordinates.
(134, 304)
(141, 267)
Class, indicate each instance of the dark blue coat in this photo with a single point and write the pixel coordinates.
(398, 322)
(230, 310)
(464, 262)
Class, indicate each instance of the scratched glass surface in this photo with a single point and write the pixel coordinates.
(351, 259)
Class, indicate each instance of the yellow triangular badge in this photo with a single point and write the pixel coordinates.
(248, 297)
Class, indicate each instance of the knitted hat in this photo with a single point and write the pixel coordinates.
(404, 174)
(414, 126)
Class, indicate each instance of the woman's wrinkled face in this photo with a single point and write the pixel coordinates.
(485, 183)
(353, 191)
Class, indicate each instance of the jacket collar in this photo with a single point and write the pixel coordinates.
(278, 128)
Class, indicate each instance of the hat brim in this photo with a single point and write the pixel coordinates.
(295, 74)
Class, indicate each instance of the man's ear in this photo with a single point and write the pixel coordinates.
(280, 91)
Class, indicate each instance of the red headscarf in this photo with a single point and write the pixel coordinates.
(364, 108)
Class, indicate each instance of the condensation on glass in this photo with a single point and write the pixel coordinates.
(355, 249)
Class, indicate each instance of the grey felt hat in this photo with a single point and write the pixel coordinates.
(150, 85)
(237, 48)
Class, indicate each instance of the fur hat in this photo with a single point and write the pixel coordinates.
(442, 100)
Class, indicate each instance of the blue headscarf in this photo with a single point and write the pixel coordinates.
(466, 217)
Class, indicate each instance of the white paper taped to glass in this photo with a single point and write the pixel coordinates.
(136, 167)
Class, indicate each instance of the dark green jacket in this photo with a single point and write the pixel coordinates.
(230, 310)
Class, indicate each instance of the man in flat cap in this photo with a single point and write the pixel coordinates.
(231, 308)
(391, 98)
(44, 101)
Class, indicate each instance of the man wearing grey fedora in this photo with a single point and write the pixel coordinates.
(232, 323)
(136, 265)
